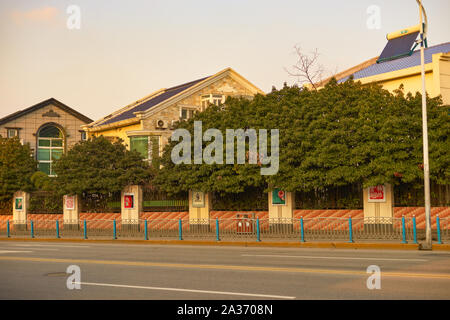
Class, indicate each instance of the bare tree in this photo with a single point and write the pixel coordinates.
(307, 69)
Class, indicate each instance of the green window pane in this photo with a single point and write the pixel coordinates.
(44, 167)
(57, 143)
(52, 172)
(44, 143)
(43, 154)
(155, 146)
(56, 154)
(184, 114)
(140, 144)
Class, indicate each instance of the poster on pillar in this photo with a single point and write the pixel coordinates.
(377, 194)
(18, 204)
(278, 197)
(198, 199)
(70, 202)
(128, 201)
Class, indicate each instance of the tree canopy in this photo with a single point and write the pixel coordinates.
(99, 166)
(16, 167)
(339, 135)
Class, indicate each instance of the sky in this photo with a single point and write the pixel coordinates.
(125, 50)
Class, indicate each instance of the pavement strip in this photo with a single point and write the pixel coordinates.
(34, 249)
(50, 245)
(185, 290)
(333, 258)
(13, 251)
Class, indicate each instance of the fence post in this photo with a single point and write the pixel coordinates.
(84, 229)
(438, 227)
(32, 229)
(414, 229)
(403, 230)
(302, 232)
(57, 229)
(258, 235)
(350, 229)
(145, 230)
(115, 231)
(217, 230)
(180, 230)
(7, 228)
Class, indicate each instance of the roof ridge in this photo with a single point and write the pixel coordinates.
(186, 84)
(42, 104)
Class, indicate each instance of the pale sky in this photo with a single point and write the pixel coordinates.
(125, 50)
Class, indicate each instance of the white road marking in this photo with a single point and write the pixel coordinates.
(186, 290)
(333, 258)
(13, 251)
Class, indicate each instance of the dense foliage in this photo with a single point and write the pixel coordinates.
(99, 166)
(16, 167)
(340, 135)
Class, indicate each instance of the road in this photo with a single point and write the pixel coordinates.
(37, 270)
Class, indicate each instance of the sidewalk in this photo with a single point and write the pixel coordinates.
(278, 244)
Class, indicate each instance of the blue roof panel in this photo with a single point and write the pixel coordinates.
(168, 93)
(399, 64)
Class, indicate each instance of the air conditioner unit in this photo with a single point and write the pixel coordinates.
(161, 124)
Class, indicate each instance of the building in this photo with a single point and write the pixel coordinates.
(146, 125)
(49, 127)
(406, 70)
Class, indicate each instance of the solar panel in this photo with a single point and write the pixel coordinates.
(398, 47)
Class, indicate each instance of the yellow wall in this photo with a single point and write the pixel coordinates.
(437, 78)
(120, 132)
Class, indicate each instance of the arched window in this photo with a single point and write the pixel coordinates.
(50, 148)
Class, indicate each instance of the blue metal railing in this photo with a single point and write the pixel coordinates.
(252, 229)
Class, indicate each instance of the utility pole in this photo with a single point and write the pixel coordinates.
(426, 165)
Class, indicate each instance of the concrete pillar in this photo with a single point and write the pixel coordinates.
(378, 206)
(281, 209)
(21, 204)
(131, 206)
(71, 211)
(199, 208)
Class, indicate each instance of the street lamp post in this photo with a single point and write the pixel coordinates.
(426, 165)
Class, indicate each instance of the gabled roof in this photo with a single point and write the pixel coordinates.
(159, 98)
(399, 64)
(42, 104)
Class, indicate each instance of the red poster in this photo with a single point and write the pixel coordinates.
(70, 202)
(128, 201)
(377, 193)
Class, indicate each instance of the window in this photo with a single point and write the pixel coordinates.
(186, 113)
(50, 148)
(216, 99)
(147, 146)
(13, 133)
(83, 136)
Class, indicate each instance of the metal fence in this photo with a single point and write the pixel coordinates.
(244, 229)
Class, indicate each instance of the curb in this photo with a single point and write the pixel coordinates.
(323, 245)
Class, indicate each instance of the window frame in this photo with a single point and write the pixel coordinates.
(50, 147)
(212, 98)
(149, 137)
(15, 130)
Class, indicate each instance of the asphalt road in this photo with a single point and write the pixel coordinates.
(37, 270)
